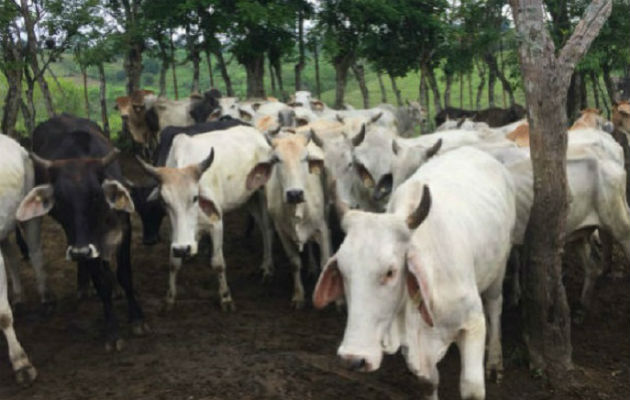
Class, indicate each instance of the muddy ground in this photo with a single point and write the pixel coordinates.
(265, 350)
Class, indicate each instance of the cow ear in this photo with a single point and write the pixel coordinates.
(418, 288)
(329, 286)
(608, 127)
(117, 196)
(364, 174)
(154, 195)
(259, 175)
(216, 114)
(395, 147)
(38, 202)
(209, 208)
(301, 121)
(317, 105)
(315, 165)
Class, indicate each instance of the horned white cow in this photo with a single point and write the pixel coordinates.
(296, 201)
(408, 117)
(196, 196)
(16, 179)
(412, 277)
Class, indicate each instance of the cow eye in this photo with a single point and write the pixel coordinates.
(389, 275)
(195, 199)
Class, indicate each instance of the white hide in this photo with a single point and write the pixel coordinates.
(457, 253)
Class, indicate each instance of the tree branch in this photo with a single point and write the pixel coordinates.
(585, 32)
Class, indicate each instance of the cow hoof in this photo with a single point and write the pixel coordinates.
(141, 328)
(115, 345)
(117, 293)
(25, 376)
(494, 374)
(297, 304)
(267, 277)
(228, 306)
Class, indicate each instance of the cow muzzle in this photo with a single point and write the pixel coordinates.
(75, 253)
(295, 196)
(182, 251)
(356, 363)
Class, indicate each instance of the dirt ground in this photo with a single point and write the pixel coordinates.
(265, 350)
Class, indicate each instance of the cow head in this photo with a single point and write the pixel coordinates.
(416, 113)
(621, 116)
(80, 196)
(179, 191)
(302, 98)
(370, 270)
(407, 159)
(293, 163)
(204, 109)
(372, 164)
(592, 118)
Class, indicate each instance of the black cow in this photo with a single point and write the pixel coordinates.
(151, 211)
(494, 116)
(201, 110)
(78, 181)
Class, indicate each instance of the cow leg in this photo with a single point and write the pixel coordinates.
(24, 371)
(313, 267)
(218, 264)
(32, 236)
(125, 278)
(493, 304)
(471, 343)
(296, 262)
(103, 280)
(257, 206)
(13, 271)
(175, 265)
(592, 271)
(515, 263)
(83, 282)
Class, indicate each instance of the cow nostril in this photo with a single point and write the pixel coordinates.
(295, 196)
(355, 363)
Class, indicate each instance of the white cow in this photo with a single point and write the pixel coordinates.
(412, 277)
(197, 196)
(16, 179)
(296, 201)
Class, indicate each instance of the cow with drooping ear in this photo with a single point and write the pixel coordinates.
(79, 185)
(414, 277)
(296, 202)
(198, 186)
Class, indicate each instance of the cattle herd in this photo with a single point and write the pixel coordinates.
(428, 223)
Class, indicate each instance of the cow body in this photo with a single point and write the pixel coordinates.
(79, 185)
(197, 196)
(412, 277)
(16, 179)
(296, 201)
(494, 117)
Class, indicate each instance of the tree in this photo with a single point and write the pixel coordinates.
(258, 27)
(546, 311)
(303, 10)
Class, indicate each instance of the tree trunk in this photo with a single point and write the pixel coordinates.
(342, 65)
(133, 67)
(224, 73)
(174, 65)
(29, 112)
(434, 88)
(210, 73)
(359, 74)
(163, 70)
(86, 98)
(546, 312)
(32, 50)
(603, 97)
(300, 65)
(482, 84)
(396, 91)
(610, 86)
(13, 72)
(103, 98)
(594, 86)
(461, 90)
(318, 85)
(582, 91)
(498, 73)
(447, 90)
(273, 79)
(492, 78)
(255, 68)
(573, 102)
(196, 60)
(470, 91)
(381, 86)
(423, 99)
(277, 68)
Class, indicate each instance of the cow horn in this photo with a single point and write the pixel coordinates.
(205, 164)
(339, 118)
(110, 157)
(434, 149)
(419, 214)
(149, 169)
(42, 162)
(316, 139)
(358, 139)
